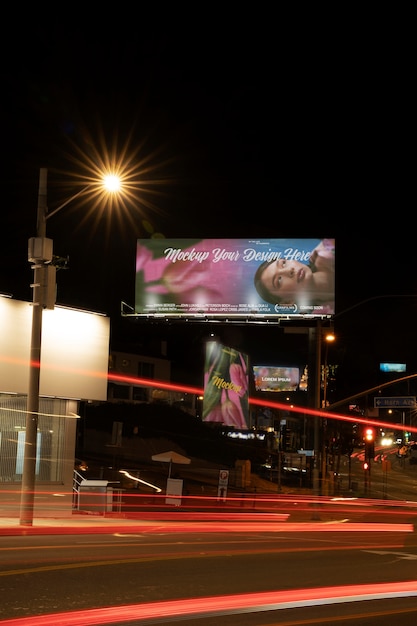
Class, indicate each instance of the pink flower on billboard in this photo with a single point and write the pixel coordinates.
(225, 386)
(192, 282)
(239, 378)
(216, 414)
(144, 257)
(232, 413)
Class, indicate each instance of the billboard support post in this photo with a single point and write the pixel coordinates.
(317, 428)
(314, 350)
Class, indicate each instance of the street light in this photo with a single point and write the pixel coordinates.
(317, 335)
(329, 338)
(40, 253)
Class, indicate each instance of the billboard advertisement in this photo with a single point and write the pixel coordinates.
(235, 277)
(226, 389)
(269, 378)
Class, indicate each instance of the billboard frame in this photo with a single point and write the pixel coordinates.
(231, 280)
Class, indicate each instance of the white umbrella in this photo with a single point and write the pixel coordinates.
(171, 457)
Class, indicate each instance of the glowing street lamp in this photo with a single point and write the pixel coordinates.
(40, 253)
(329, 338)
(319, 335)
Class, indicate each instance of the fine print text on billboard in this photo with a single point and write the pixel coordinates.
(235, 277)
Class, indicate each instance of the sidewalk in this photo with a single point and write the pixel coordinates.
(76, 524)
(195, 512)
(152, 516)
(147, 515)
(175, 518)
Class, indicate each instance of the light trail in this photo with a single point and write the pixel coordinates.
(139, 480)
(266, 403)
(222, 605)
(199, 391)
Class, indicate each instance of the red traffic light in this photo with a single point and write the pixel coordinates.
(369, 434)
(366, 466)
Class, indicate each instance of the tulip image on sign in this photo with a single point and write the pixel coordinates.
(226, 393)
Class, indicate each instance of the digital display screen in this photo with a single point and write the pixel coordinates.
(277, 378)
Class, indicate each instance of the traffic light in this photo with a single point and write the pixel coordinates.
(369, 443)
(369, 434)
(366, 466)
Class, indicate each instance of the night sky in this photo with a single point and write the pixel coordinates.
(250, 126)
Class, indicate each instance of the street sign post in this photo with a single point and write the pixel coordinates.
(223, 482)
(395, 402)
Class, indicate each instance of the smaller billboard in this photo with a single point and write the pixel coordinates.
(276, 378)
(226, 389)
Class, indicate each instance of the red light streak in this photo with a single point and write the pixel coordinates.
(222, 605)
(199, 391)
(257, 402)
(148, 382)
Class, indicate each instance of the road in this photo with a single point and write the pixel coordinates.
(394, 478)
(224, 569)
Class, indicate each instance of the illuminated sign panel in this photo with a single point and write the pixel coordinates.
(235, 277)
(74, 357)
(392, 367)
(269, 378)
(226, 389)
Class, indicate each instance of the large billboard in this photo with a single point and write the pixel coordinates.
(226, 389)
(235, 277)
